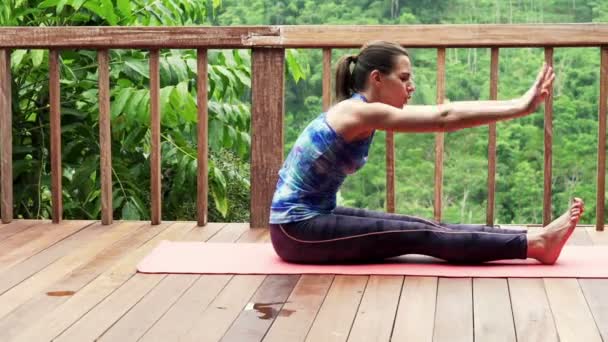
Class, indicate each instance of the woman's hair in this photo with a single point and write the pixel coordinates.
(375, 55)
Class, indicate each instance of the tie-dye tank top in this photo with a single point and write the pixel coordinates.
(314, 170)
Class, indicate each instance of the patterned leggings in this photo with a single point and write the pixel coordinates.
(350, 235)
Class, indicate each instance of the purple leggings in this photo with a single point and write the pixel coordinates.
(350, 235)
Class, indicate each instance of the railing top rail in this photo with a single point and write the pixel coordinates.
(306, 36)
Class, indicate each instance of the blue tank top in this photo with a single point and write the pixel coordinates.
(314, 170)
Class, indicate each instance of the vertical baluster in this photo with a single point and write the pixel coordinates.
(56, 173)
(155, 137)
(105, 138)
(492, 141)
(439, 137)
(601, 142)
(201, 96)
(6, 138)
(548, 147)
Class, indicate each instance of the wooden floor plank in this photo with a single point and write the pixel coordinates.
(30, 266)
(95, 322)
(153, 306)
(573, 318)
(59, 292)
(493, 318)
(376, 314)
(217, 317)
(596, 295)
(342, 301)
(597, 238)
(195, 300)
(88, 297)
(454, 312)
(255, 320)
(224, 309)
(298, 313)
(17, 226)
(580, 237)
(19, 294)
(31, 241)
(596, 290)
(531, 311)
(415, 319)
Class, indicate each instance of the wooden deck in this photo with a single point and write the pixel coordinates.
(76, 281)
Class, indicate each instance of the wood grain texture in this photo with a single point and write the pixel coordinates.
(493, 318)
(56, 173)
(132, 37)
(531, 311)
(492, 141)
(267, 93)
(390, 171)
(454, 311)
(307, 36)
(342, 302)
(203, 134)
(573, 318)
(415, 320)
(433, 36)
(258, 315)
(548, 156)
(105, 137)
(299, 312)
(439, 137)
(374, 320)
(155, 176)
(6, 138)
(601, 142)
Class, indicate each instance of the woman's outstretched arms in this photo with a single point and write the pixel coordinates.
(455, 115)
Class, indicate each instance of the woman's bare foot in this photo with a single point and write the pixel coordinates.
(547, 246)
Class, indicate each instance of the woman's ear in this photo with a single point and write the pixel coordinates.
(375, 76)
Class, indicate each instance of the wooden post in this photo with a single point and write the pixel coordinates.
(202, 148)
(492, 142)
(439, 137)
(601, 142)
(56, 173)
(548, 147)
(267, 130)
(6, 138)
(105, 137)
(155, 181)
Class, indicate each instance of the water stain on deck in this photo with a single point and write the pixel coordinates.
(269, 310)
(60, 293)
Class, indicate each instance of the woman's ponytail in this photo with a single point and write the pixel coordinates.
(344, 78)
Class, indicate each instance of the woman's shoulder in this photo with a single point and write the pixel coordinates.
(341, 117)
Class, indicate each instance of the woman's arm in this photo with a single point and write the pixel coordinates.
(455, 115)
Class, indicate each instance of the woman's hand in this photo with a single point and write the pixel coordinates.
(540, 90)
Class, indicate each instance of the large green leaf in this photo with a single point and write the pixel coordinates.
(130, 212)
(124, 6)
(119, 103)
(37, 57)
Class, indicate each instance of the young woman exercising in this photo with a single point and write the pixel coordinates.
(306, 226)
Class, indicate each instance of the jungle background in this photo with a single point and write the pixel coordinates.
(519, 179)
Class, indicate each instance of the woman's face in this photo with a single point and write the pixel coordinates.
(397, 87)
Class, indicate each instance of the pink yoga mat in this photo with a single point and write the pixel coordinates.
(260, 258)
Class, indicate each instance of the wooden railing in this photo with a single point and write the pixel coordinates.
(268, 44)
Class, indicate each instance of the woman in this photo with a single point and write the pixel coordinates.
(307, 227)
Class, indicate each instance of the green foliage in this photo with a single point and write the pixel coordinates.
(519, 188)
